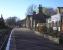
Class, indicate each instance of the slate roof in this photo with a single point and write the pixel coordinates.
(40, 17)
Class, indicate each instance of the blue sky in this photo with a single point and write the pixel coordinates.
(19, 7)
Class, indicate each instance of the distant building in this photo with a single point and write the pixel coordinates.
(21, 23)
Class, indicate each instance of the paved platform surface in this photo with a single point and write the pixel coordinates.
(25, 39)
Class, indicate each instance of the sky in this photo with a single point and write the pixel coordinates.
(9, 8)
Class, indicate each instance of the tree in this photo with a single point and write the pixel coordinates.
(31, 9)
(11, 21)
(2, 23)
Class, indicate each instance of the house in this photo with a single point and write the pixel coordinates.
(55, 22)
(32, 21)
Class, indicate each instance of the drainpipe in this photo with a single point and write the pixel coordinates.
(60, 18)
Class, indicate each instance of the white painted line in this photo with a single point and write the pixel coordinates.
(8, 44)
